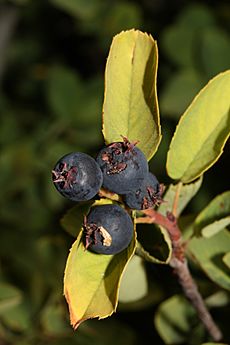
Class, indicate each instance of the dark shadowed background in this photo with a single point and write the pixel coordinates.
(52, 60)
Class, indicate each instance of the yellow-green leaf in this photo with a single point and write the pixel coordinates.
(134, 283)
(130, 102)
(10, 297)
(226, 259)
(214, 217)
(219, 299)
(92, 280)
(215, 227)
(209, 253)
(181, 194)
(202, 131)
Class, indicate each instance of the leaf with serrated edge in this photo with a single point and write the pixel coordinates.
(92, 280)
(214, 217)
(201, 132)
(130, 102)
(186, 193)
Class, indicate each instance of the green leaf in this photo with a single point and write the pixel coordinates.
(130, 103)
(202, 131)
(184, 192)
(226, 259)
(154, 244)
(72, 221)
(214, 51)
(215, 227)
(64, 92)
(134, 284)
(218, 299)
(18, 318)
(92, 280)
(209, 254)
(53, 319)
(196, 15)
(79, 8)
(174, 320)
(214, 217)
(179, 40)
(179, 91)
(10, 296)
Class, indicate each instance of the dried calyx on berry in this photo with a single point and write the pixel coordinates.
(77, 176)
(147, 196)
(108, 229)
(124, 166)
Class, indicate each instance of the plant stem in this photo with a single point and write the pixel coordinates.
(191, 292)
(179, 263)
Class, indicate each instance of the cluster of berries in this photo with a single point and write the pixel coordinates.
(120, 168)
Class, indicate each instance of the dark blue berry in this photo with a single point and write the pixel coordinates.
(108, 229)
(77, 176)
(123, 165)
(147, 196)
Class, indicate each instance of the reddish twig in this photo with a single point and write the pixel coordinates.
(179, 263)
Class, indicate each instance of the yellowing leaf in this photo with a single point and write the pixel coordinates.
(92, 280)
(202, 131)
(130, 102)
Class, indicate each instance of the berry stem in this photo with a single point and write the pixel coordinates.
(104, 193)
(180, 266)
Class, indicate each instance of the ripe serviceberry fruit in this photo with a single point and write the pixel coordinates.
(108, 229)
(123, 165)
(148, 195)
(77, 176)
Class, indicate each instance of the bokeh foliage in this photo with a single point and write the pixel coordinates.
(51, 91)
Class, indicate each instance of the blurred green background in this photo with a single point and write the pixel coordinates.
(52, 60)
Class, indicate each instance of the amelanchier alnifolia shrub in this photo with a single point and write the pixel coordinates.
(120, 168)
